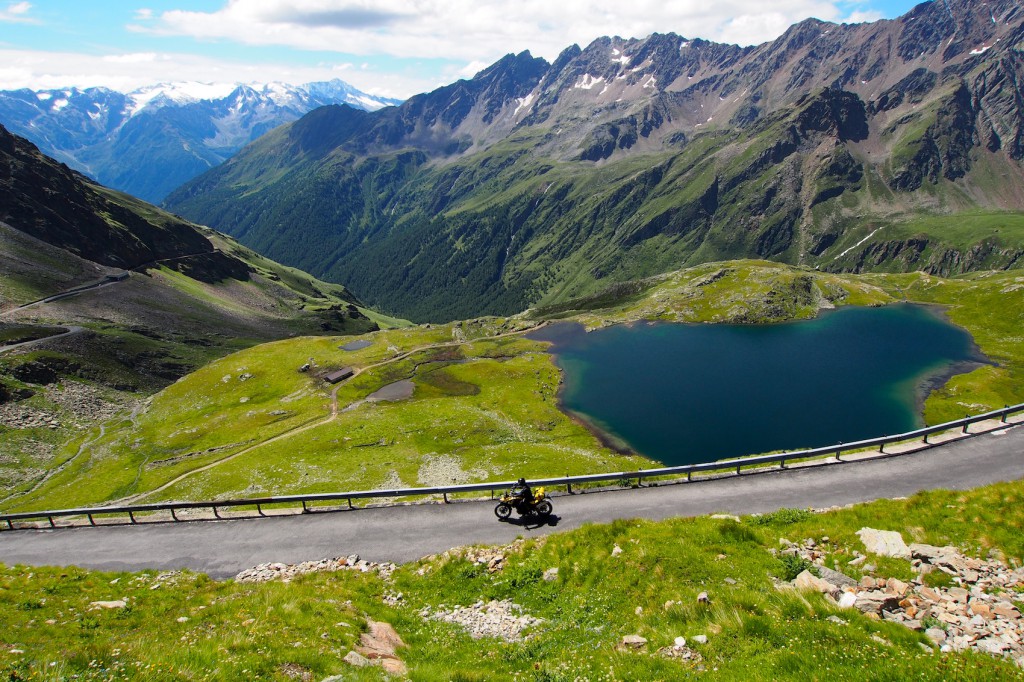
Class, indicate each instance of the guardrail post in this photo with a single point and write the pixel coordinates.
(925, 439)
(52, 524)
(304, 509)
(92, 522)
(738, 469)
(1005, 414)
(173, 515)
(689, 476)
(839, 452)
(881, 446)
(782, 464)
(259, 509)
(350, 503)
(215, 512)
(131, 516)
(966, 424)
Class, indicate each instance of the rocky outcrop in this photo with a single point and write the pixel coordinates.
(379, 646)
(980, 611)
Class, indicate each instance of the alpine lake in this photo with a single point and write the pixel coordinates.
(687, 394)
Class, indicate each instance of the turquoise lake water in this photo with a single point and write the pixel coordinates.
(684, 394)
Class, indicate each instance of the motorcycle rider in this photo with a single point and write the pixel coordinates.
(522, 488)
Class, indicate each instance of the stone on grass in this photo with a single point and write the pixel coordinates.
(808, 581)
(848, 600)
(835, 577)
(115, 604)
(700, 639)
(703, 598)
(634, 642)
(356, 659)
(394, 666)
(876, 601)
(884, 543)
(551, 574)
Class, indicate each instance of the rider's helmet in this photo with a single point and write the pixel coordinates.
(521, 482)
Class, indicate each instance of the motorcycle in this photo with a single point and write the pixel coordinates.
(538, 507)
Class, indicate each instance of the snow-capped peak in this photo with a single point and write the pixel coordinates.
(178, 93)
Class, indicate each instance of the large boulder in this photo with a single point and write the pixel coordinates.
(884, 543)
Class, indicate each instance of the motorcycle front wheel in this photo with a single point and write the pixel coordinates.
(503, 511)
(544, 508)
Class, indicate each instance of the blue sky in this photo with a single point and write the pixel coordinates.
(386, 47)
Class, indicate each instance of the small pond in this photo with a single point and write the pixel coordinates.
(684, 394)
(358, 344)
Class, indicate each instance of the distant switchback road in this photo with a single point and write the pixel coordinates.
(406, 533)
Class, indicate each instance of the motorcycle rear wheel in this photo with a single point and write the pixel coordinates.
(544, 508)
(503, 511)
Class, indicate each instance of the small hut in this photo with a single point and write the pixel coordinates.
(339, 375)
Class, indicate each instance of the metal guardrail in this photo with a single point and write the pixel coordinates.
(738, 464)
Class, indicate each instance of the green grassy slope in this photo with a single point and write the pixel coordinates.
(179, 310)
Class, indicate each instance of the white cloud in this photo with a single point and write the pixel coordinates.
(134, 58)
(17, 12)
(484, 29)
(860, 17)
(472, 69)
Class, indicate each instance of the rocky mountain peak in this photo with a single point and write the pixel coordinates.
(627, 157)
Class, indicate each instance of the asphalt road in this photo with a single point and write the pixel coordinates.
(405, 533)
(69, 330)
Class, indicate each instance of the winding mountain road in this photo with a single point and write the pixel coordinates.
(406, 533)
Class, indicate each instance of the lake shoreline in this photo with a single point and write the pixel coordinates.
(915, 394)
(934, 381)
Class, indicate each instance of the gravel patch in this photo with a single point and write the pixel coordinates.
(439, 470)
(501, 619)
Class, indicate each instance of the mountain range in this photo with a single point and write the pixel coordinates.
(893, 145)
(151, 140)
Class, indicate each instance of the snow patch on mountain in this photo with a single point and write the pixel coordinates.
(588, 82)
(523, 103)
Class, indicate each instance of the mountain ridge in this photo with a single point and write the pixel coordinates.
(150, 140)
(535, 182)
